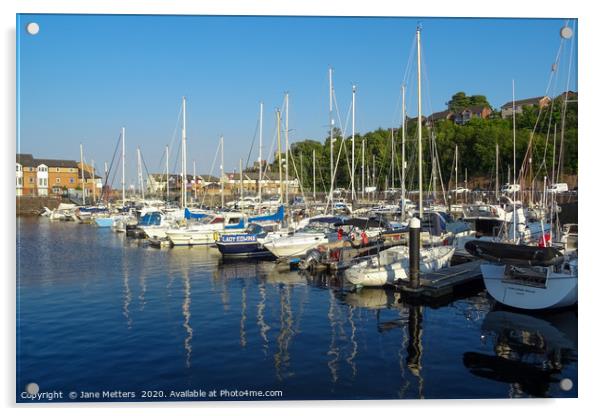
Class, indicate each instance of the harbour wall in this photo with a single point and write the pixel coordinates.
(33, 205)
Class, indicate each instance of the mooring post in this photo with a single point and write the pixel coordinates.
(414, 253)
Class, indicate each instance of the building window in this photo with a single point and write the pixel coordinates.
(58, 180)
(30, 180)
(71, 180)
(19, 168)
(58, 169)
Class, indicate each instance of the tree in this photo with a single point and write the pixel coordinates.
(460, 101)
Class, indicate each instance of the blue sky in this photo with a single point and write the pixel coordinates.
(84, 76)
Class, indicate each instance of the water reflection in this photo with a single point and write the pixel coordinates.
(243, 316)
(408, 321)
(263, 327)
(186, 315)
(530, 351)
(285, 336)
(414, 359)
(127, 292)
(333, 350)
(253, 324)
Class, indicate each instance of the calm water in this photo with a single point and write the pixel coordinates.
(99, 312)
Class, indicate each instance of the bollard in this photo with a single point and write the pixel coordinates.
(414, 252)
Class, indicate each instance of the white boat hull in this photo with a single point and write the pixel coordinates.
(196, 237)
(156, 232)
(560, 289)
(395, 264)
(294, 245)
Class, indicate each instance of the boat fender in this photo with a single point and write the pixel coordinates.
(215, 236)
(364, 238)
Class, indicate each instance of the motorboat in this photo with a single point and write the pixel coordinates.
(392, 265)
(207, 230)
(246, 244)
(319, 230)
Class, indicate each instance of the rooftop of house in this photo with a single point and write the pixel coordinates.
(176, 177)
(27, 160)
(526, 101)
(475, 108)
(440, 115)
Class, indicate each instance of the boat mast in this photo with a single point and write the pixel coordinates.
(392, 160)
(81, 158)
(374, 170)
(363, 167)
(279, 155)
(123, 166)
(314, 171)
(420, 209)
(139, 170)
(353, 143)
(104, 185)
(331, 122)
(403, 146)
(241, 186)
(514, 161)
(260, 148)
(434, 165)
(286, 147)
(221, 167)
(497, 166)
(184, 178)
(300, 169)
(194, 178)
(456, 157)
(93, 181)
(554, 158)
(167, 172)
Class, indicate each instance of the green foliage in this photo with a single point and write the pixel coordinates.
(476, 142)
(460, 101)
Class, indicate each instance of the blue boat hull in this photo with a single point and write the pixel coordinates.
(104, 222)
(250, 249)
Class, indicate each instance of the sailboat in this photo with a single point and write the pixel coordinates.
(528, 277)
(105, 220)
(392, 265)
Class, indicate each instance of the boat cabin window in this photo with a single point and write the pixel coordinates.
(254, 229)
(234, 220)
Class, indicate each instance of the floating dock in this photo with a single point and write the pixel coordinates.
(444, 282)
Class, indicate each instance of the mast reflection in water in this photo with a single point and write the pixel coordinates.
(98, 312)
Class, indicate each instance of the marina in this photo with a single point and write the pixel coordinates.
(436, 258)
(141, 318)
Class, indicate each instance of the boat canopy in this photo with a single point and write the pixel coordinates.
(189, 215)
(152, 218)
(278, 216)
(328, 220)
(364, 223)
(514, 254)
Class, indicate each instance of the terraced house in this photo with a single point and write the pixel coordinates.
(43, 177)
